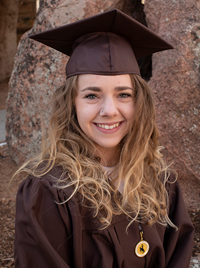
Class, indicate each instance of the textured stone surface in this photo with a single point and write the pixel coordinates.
(176, 81)
(38, 71)
(8, 36)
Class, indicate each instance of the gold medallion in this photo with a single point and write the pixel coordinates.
(142, 247)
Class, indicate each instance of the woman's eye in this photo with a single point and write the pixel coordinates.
(124, 95)
(91, 96)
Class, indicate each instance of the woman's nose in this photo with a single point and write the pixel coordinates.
(109, 108)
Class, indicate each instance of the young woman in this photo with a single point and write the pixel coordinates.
(100, 194)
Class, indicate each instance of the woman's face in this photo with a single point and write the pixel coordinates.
(105, 108)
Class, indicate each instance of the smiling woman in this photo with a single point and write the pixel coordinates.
(105, 112)
(100, 193)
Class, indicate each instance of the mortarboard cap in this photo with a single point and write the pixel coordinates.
(106, 44)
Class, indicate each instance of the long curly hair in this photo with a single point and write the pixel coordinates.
(140, 168)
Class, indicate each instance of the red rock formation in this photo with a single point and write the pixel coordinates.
(38, 71)
(176, 81)
(8, 36)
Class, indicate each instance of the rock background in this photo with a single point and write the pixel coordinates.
(16, 17)
(176, 81)
(26, 16)
(38, 71)
(8, 38)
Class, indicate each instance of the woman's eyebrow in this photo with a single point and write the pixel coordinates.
(122, 88)
(95, 89)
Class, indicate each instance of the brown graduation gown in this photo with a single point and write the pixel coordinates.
(49, 235)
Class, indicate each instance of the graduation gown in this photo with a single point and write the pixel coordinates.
(52, 235)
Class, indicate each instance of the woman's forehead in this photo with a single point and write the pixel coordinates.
(104, 81)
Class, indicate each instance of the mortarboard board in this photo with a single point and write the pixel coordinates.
(106, 44)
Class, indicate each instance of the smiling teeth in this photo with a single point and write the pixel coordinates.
(107, 126)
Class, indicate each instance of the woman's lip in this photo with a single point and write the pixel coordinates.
(109, 124)
(104, 130)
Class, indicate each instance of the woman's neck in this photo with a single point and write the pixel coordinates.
(109, 156)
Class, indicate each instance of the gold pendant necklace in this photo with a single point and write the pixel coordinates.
(142, 247)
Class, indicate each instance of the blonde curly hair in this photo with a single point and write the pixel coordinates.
(140, 167)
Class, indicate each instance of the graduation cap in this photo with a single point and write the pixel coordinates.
(106, 44)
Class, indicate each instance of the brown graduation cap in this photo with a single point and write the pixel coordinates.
(106, 44)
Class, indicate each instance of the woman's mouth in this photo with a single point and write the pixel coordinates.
(105, 126)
